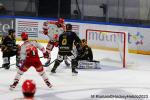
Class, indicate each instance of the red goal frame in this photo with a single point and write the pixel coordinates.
(116, 32)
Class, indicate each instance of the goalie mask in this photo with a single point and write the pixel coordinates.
(28, 88)
(83, 42)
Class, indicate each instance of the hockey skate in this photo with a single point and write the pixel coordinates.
(12, 87)
(53, 71)
(6, 66)
(74, 72)
(48, 84)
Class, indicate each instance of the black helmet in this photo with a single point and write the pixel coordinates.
(68, 27)
(10, 31)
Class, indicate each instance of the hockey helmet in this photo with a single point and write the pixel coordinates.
(68, 27)
(45, 23)
(28, 88)
(10, 31)
(24, 36)
(84, 41)
(61, 20)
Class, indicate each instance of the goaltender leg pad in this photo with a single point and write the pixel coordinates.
(84, 64)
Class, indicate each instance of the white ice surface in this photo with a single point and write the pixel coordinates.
(112, 79)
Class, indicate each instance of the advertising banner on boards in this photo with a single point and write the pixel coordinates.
(6, 24)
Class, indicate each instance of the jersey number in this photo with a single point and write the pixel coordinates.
(64, 41)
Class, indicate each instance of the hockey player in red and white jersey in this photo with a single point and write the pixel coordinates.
(52, 29)
(29, 57)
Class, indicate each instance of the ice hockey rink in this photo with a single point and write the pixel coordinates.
(111, 82)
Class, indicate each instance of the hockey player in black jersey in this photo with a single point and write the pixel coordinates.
(8, 48)
(86, 53)
(66, 40)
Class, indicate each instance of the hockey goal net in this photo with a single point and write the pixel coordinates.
(109, 40)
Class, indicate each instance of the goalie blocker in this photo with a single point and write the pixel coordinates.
(85, 64)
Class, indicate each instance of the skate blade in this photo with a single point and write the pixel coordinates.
(74, 74)
(50, 86)
(11, 89)
(52, 73)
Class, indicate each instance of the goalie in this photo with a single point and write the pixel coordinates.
(85, 57)
(86, 53)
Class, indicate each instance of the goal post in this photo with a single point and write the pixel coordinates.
(111, 40)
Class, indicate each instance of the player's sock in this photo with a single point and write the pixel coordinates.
(16, 80)
(45, 78)
(48, 83)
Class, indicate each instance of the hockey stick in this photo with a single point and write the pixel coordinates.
(40, 57)
(15, 64)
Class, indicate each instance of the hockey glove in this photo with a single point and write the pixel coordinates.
(46, 55)
(56, 44)
(20, 64)
(55, 36)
